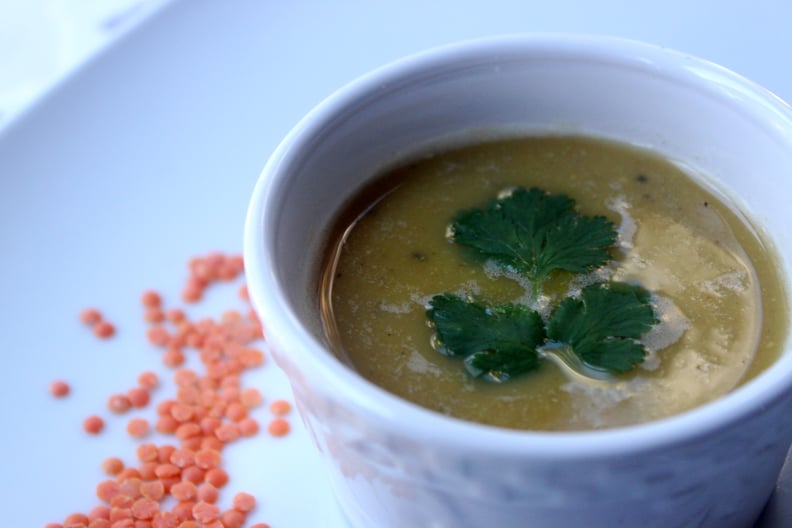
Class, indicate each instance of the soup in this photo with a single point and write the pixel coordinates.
(721, 310)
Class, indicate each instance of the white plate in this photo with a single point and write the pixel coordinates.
(146, 157)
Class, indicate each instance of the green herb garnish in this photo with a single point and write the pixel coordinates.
(499, 341)
(533, 233)
(603, 325)
(502, 341)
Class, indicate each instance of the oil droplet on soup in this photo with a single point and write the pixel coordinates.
(723, 318)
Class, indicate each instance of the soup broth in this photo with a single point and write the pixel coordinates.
(721, 299)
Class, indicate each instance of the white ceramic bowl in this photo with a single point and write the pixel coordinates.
(393, 464)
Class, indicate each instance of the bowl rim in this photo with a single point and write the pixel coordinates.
(381, 409)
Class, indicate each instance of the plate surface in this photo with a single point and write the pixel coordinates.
(146, 157)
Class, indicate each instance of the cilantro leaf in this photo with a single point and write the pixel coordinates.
(603, 325)
(534, 233)
(499, 341)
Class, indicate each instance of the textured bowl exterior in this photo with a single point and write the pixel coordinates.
(393, 464)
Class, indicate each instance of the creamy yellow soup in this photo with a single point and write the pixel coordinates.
(718, 291)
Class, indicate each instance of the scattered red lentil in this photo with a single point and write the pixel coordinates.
(184, 490)
(138, 397)
(217, 477)
(205, 511)
(248, 427)
(233, 519)
(280, 407)
(93, 424)
(154, 315)
(104, 329)
(112, 465)
(138, 427)
(158, 335)
(119, 403)
(152, 489)
(75, 519)
(278, 427)
(90, 316)
(148, 380)
(244, 502)
(59, 388)
(151, 299)
(210, 410)
(208, 493)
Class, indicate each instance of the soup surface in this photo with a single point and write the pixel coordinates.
(718, 295)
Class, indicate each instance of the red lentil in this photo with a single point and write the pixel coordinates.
(251, 397)
(217, 477)
(75, 519)
(207, 493)
(165, 452)
(175, 315)
(207, 458)
(184, 511)
(93, 424)
(119, 403)
(184, 490)
(233, 519)
(128, 473)
(182, 458)
(152, 489)
(119, 507)
(205, 511)
(280, 407)
(227, 432)
(138, 397)
(144, 508)
(158, 335)
(147, 452)
(107, 490)
(146, 470)
(244, 502)
(138, 427)
(112, 465)
(166, 424)
(131, 488)
(236, 411)
(151, 299)
(99, 512)
(59, 388)
(148, 380)
(167, 470)
(278, 427)
(173, 357)
(154, 315)
(165, 520)
(104, 329)
(248, 427)
(182, 413)
(90, 316)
